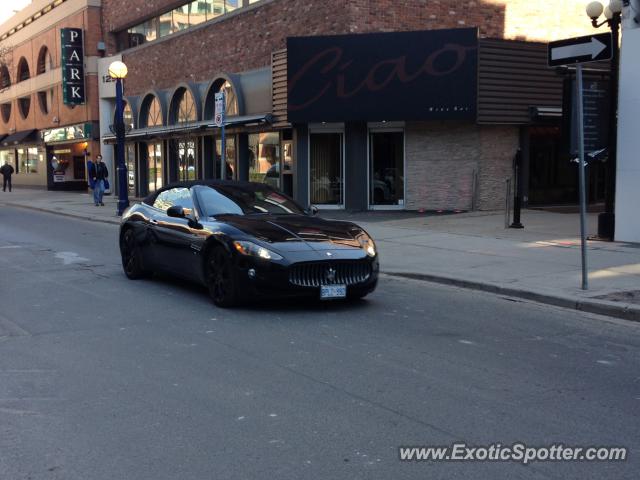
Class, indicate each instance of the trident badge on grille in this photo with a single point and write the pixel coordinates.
(330, 275)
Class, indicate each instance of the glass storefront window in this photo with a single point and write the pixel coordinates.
(28, 160)
(230, 167)
(8, 156)
(187, 160)
(130, 157)
(386, 168)
(264, 158)
(327, 169)
(154, 166)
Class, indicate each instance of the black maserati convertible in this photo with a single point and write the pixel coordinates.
(246, 240)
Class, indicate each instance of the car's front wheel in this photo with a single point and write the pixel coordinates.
(222, 278)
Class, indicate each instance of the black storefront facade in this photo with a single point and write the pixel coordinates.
(427, 120)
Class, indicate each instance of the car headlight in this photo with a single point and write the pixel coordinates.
(367, 244)
(254, 250)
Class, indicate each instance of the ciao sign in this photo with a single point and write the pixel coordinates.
(73, 66)
(421, 75)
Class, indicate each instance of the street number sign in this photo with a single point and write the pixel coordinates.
(591, 48)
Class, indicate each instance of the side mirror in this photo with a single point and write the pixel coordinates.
(312, 211)
(176, 211)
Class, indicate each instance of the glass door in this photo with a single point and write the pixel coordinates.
(230, 157)
(155, 166)
(187, 160)
(130, 157)
(386, 168)
(326, 174)
(287, 167)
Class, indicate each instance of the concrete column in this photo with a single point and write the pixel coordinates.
(628, 166)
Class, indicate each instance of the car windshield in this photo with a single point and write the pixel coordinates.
(245, 199)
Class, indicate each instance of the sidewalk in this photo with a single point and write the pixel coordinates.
(471, 250)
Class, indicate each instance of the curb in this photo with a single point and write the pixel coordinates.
(64, 214)
(610, 309)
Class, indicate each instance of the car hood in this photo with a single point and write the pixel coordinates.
(297, 232)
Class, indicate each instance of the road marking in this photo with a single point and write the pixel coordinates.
(69, 258)
(11, 246)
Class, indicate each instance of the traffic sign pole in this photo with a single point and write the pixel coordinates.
(581, 167)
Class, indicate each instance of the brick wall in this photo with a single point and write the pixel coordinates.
(442, 160)
(89, 20)
(246, 39)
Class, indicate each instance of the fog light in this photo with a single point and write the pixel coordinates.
(251, 273)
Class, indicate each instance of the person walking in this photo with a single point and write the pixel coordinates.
(6, 170)
(98, 175)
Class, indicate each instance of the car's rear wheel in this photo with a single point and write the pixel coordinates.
(222, 278)
(132, 257)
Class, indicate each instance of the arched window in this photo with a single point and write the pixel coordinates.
(24, 105)
(23, 70)
(151, 112)
(231, 100)
(154, 117)
(45, 62)
(186, 110)
(45, 99)
(5, 77)
(5, 110)
(127, 115)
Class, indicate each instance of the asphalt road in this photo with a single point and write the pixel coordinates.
(105, 378)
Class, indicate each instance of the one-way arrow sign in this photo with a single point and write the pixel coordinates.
(580, 50)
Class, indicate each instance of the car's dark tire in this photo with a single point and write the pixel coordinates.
(132, 256)
(222, 278)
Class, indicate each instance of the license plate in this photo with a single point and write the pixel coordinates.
(333, 291)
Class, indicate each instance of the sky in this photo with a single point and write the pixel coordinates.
(8, 7)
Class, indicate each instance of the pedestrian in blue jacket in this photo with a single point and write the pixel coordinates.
(98, 175)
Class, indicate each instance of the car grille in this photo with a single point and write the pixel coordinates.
(329, 273)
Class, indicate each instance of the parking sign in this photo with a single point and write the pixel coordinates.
(218, 118)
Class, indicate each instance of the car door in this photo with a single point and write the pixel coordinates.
(176, 236)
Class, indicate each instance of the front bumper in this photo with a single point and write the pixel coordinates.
(259, 279)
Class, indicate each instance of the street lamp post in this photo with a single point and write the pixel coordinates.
(613, 14)
(118, 71)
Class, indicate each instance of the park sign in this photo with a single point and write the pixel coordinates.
(73, 88)
(591, 48)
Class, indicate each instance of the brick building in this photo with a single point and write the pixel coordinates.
(45, 137)
(179, 54)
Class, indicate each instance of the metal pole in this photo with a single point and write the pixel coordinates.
(507, 204)
(517, 190)
(123, 191)
(581, 167)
